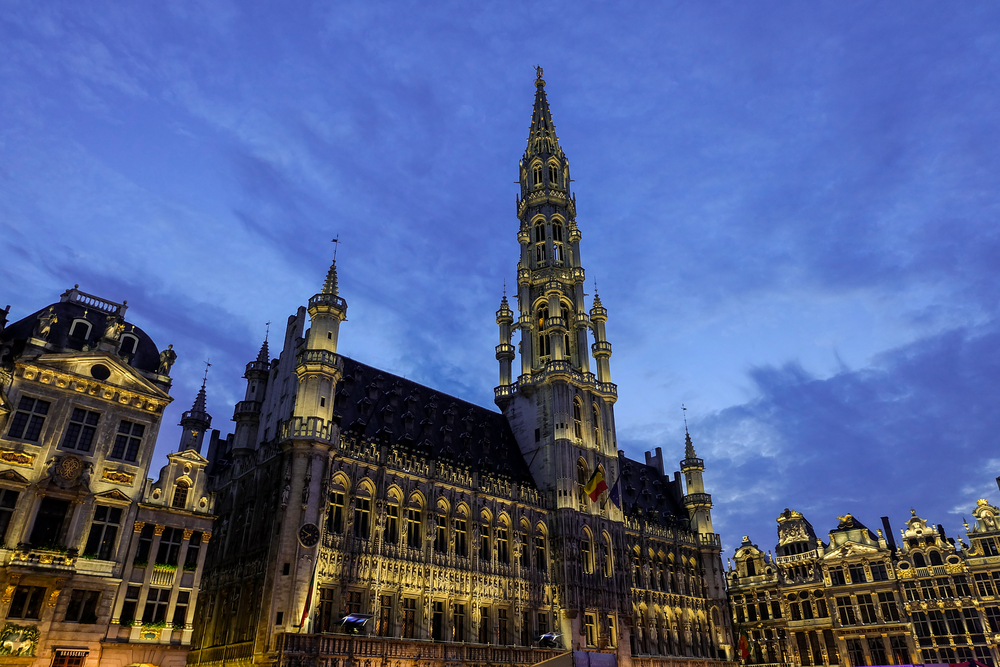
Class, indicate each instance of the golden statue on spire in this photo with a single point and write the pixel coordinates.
(539, 81)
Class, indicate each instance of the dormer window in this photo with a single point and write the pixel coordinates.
(80, 329)
(129, 344)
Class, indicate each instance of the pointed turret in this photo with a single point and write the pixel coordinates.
(697, 502)
(505, 351)
(247, 412)
(330, 285)
(195, 422)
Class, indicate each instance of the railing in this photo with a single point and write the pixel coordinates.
(579, 275)
(258, 366)
(49, 559)
(711, 539)
(698, 499)
(163, 575)
(505, 351)
(322, 357)
(601, 347)
(607, 388)
(328, 300)
(246, 408)
(292, 648)
(306, 427)
(221, 654)
(89, 300)
(796, 557)
(555, 322)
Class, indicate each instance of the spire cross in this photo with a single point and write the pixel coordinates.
(205, 379)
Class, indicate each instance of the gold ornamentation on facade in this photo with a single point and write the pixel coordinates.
(17, 458)
(139, 525)
(187, 533)
(158, 530)
(206, 536)
(118, 477)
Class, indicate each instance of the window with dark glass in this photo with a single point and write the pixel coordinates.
(900, 652)
(170, 546)
(194, 547)
(157, 601)
(993, 617)
(437, 620)
(180, 494)
(577, 419)
(945, 589)
(52, 514)
(461, 535)
(832, 653)
(984, 584)
(837, 577)
(807, 610)
(326, 611)
(128, 441)
(383, 627)
(145, 543)
(962, 589)
(846, 611)
(587, 548)
(413, 528)
(352, 602)
(484, 625)
(409, 617)
(80, 431)
(540, 564)
(362, 517)
(26, 602)
(876, 649)
(503, 546)
(390, 534)
(536, 173)
(82, 607)
(927, 589)
(543, 623)
(857, 573)
(458, 623)
(793, 608)
(8, 503)
(180, 607)
(919, 560)
(103, 532)
(855, 652)
(938, 627)
(879, 573)
(27, 422)
(910, 588)
(887, 605)
(974, 624)
(128, 608)
(441, 534)
(986, 544)
(953, 619)
(503, 627)
(553, 174)
(821, 611)
(867, 608)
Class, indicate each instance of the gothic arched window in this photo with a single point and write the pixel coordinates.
(577, 419)
(587, 552)
(596, 418)
(536, 173)
(554, 175)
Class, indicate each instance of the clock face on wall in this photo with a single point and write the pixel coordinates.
(309, 535)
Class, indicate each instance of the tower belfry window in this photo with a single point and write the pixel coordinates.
(553, 175)
(577, 419)
(536, 173)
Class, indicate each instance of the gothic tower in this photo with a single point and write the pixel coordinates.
(560, 412)
(195, 422)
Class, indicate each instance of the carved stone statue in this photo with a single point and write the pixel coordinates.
(114, 327)
(167, 359)
(43, 326)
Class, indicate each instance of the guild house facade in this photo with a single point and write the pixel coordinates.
(98, 564)
(863, 599)
(454, 533)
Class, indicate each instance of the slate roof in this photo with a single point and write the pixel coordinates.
(375, 405)
(146, 357)
(656, 497)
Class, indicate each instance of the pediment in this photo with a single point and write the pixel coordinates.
(188, 455)
(121, 376)
(13, 476)
(114, 494)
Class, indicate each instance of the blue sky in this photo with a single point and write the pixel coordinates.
(790, 210)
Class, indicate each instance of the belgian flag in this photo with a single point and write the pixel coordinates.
(596, 486)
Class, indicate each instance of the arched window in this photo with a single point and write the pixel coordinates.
(503, 543)
(414, 536)
(554, 175)
(596, 418)
(485, 552)
(751, 568)
(180, 494)
(541, 562)
(536, 173)
(127, 345)
(609, 563)
(362, 512)
(461, 533)
(587, 552)
(557, 231)
(936, 558)
(390, 531)
(918, 560)
(577, 420)
(80, 329)
(582, 477)
(335, 515)
(544, 344)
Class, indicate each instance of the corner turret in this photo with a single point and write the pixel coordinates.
(195, 422)
(698, 503)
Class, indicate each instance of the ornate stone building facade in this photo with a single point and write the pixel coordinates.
(862, 599)
(98, 564)
(463, 534)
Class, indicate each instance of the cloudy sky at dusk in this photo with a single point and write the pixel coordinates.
(791, 211)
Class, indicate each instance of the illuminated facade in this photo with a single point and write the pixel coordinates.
(464, 533)
(98, 564)
(862, 600)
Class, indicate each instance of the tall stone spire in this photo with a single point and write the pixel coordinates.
(330, 285)
(542, 135)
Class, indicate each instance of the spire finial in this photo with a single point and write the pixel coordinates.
(685, 412)
(689, 452)
(505, 288)
(267, 330)
(336, 242)
(205, 379)
(539, 81)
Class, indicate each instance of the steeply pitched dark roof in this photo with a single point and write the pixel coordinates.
(656, 497)
(375, 405)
